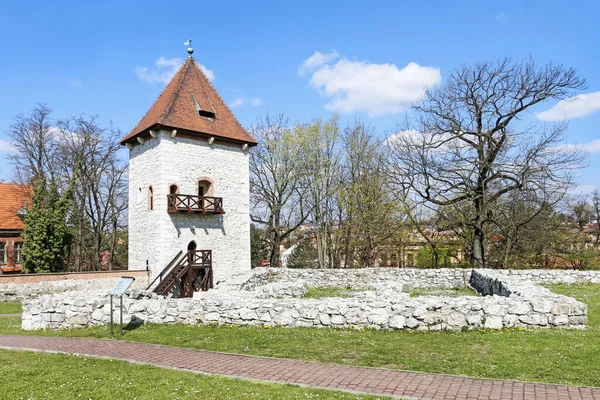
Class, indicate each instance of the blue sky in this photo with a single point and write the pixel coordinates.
(101, 57)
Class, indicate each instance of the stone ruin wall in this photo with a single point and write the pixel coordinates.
(20, 287)
(512, 301)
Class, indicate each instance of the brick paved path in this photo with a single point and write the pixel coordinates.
(330, 376)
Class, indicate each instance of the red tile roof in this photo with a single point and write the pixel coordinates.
(176, 108)
(12, 199)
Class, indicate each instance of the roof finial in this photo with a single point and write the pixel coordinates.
(189, 49)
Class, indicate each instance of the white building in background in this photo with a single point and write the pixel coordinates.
(189, 180)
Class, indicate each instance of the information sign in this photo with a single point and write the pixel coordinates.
(122, 286)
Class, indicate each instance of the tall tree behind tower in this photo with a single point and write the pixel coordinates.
(276, 182)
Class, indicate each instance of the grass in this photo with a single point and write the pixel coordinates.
(450, 292)
(543, 355)
(29, 375)
(322, 292)
(12, 307)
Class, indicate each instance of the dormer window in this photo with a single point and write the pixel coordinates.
(206, 114)
(203, 113)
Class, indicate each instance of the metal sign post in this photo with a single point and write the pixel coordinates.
(119, 290)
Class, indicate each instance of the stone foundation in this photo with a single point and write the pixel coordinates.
(509, 301)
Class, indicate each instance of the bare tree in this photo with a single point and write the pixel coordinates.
(80, 154)
(581, 211)
(101, 198)
(466, 144)
(276, 182)
(318, 148)
(34, 139)
(371, 215)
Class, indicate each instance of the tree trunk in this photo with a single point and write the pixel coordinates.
(477, 255)
(275, 242)
(506, 253)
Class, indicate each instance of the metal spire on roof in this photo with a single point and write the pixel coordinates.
(189, 49)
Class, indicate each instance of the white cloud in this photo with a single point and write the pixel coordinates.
(240, 101)
(210, 74)
(410, 135)
(165, 69)
(573, 107)
(7, 147)
(316, 60)
(502, 16)
(582, 189)
(75, 83)
(592, 147)
(379, 89)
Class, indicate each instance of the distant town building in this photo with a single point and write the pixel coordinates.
(13, 208)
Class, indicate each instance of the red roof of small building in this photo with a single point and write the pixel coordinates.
(177, 108)
(12, 199)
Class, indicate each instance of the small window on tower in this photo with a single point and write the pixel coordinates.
(150, 198)
(206, 114)
(205, 188)
(201, 112)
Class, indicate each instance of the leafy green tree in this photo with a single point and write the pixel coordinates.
(305, 255)
(46, 236)
(259, 245)
(445, 255)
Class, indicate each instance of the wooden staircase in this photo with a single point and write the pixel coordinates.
(188, 273)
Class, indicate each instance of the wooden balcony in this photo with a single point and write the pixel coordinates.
(186, 203)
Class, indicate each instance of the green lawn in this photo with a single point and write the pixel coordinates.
(29, 375)
(551, 355)
(12, 307)
(451, 292)
(322, 292)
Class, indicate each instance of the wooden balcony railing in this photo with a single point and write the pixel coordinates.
(195, 204)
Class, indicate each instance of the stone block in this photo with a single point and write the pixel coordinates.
(247, 314)
(79, 320)
(534, 319)
(577, 320)
(211, 317)
(457, 320)
(520, 308)
(558, 320)
(493, 322)
(397, 322)
(325, 319)
(377, 318)
(474, 319)
(541, 306)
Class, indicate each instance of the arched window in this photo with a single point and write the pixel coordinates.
(150, 198)
(173, 189)
(205, 188)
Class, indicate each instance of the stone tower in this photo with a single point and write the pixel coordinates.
(189, 179)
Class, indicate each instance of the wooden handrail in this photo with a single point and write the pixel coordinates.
(190, 203)
(183, 272)
(169, 265)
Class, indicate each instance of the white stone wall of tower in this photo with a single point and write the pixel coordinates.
(157, 235)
